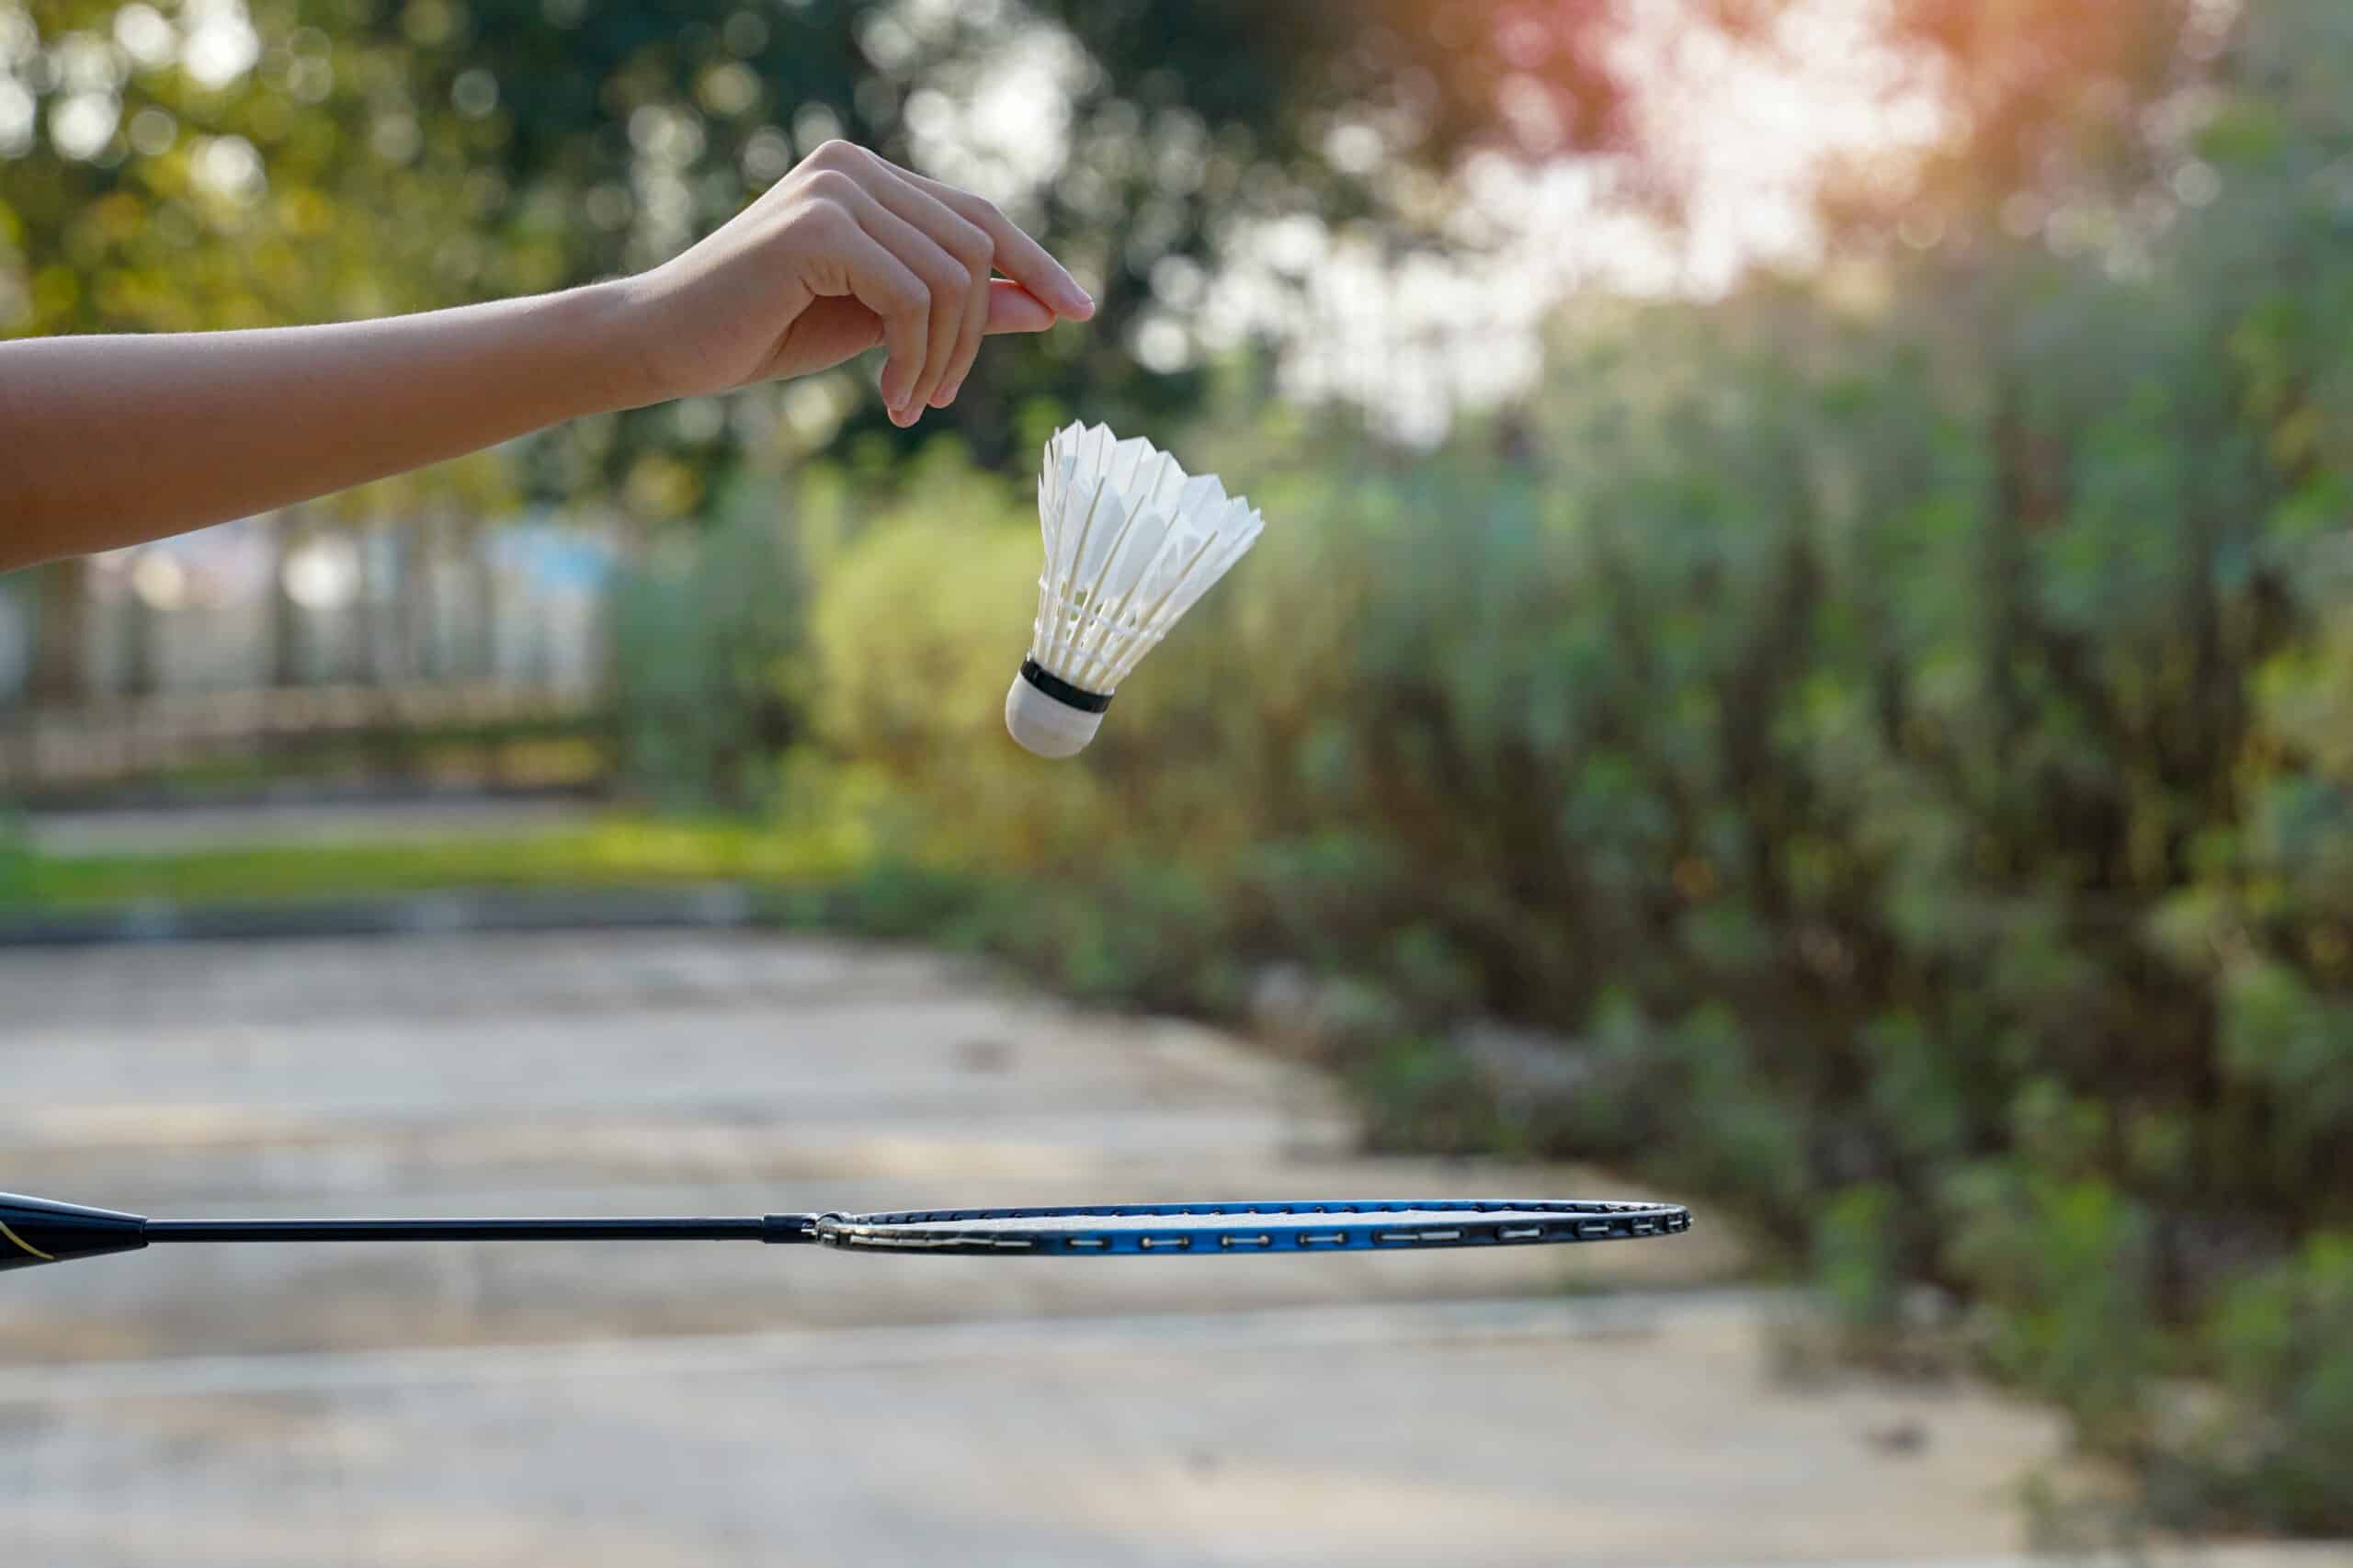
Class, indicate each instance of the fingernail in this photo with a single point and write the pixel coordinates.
(949, 396)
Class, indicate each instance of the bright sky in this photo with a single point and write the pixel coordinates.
(1742, 130)
(1745, 132)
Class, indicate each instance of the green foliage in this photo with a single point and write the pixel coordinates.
(2066, 1270)
(1420, 1093)
(705, 646)
(1907, 757)
(906, 606)
(1854, 1259)
(2277, 1450)
(618, 852)
(17, 860)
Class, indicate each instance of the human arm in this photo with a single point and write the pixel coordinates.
(110, 440)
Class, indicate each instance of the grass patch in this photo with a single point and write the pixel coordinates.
(624, 851)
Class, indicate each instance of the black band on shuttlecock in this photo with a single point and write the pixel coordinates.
(1061, 691)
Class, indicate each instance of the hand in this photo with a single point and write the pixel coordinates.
(847, 251)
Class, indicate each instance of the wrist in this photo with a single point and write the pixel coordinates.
(605, 321)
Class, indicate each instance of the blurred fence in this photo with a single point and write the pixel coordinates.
(411, 732)
(278, 651)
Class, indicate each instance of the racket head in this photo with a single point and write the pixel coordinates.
(1251, 1229)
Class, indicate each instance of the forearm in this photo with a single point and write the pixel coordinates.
(107, 441)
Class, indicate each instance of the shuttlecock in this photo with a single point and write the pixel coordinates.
(1132, 543)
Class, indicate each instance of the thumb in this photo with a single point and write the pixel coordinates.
(1013, 308)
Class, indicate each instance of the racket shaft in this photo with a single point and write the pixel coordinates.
(744, 1228)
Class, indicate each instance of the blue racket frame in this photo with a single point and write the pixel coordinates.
(1239, 1228)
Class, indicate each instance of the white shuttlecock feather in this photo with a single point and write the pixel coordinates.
(1131, 544)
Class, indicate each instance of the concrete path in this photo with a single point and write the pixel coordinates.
(716, 1404)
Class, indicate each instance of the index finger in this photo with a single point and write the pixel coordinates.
(1018, 257)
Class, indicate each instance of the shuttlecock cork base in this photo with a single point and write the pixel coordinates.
(1132, 543)
(1050, 716)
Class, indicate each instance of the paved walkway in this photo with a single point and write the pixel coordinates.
(735, 1405)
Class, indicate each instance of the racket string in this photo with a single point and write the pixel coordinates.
(1227, 1227)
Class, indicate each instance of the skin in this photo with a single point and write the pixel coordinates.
(106, 441)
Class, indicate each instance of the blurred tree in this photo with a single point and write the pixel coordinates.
(211, 169)
(368, 156)
(2045, 88)
(1134, 139)
(2075, 108)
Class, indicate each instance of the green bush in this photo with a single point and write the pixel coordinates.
(708, 634)
(2277, 1449)
(17, 858)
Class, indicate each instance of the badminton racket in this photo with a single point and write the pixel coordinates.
(36, 1230)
